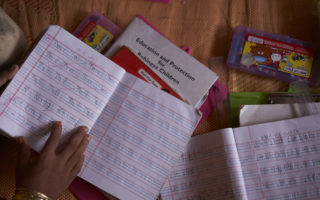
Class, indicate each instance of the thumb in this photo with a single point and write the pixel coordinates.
(23, 155)
(8, 74)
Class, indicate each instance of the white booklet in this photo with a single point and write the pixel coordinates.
(184, 74)
(138, 131)
(256, 114)
(271, 161)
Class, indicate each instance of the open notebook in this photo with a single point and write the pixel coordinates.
(271, 161)
(138, 131)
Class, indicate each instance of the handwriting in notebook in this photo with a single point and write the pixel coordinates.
(84, 62)
(63, 96)
(281, 163)
(68, 85)
(277, 160)
(206, 170)
(138, 131)
(128, 145)
(55, 84)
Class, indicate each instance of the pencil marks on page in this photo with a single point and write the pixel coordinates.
(285, 163)
(56, 83)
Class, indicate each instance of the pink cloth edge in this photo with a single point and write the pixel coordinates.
(217, 93)
(84, 190)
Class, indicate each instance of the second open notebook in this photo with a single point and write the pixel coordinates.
(272, 161)
(138, 131)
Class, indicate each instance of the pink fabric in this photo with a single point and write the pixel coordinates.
(84, 190)
(163, 1)
(186, 49)
(217, 93)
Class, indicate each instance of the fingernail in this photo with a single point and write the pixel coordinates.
(88, 137)
(84, 129)
(57, 123)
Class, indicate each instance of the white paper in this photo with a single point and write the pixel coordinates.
(280, 160)
(271, 161)
(256, 114)
(137, 139)
(138, 131)
(62, 79)
(188, 77)
(208, 169)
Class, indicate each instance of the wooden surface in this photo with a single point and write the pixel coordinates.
(204, 25)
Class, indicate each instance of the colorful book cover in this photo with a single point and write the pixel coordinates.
(132, 64)
(184, 74)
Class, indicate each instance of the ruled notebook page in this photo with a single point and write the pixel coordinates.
(137, 139)
(62, 79)
(138, 131)
(208, 169)
(280, 160)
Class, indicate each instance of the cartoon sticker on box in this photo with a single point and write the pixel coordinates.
(279, 56)
(261, 54)
(276, 58)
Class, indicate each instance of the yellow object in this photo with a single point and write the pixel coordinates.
(98, 38)
(26, 194)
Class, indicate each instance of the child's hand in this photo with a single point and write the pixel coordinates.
(51, 172)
